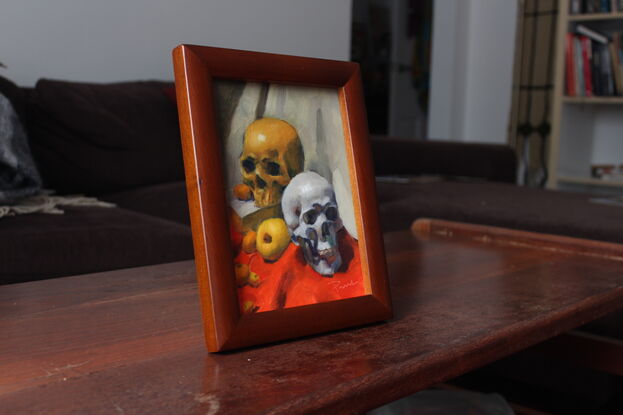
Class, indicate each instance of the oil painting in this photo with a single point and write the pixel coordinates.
(281, 195)
(291, 214)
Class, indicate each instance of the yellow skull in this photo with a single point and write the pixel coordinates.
(272, 154)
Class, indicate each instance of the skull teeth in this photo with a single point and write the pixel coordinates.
(329, 255)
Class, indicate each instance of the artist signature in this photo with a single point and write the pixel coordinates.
(341, 286)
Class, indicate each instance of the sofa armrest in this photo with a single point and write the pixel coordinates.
(396, 156)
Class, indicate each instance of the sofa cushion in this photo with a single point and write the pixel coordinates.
(83, 240)
(97, 138)
(167, 201)
(500, 204)
(400, 156)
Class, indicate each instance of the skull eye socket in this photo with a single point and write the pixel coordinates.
(331, 213)
(248, 164)
(273, 168)
(310, 216)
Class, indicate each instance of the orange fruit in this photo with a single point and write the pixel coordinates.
(242, 274)
(249, 242)
(253, 279)
(248, 307)
(243, 192)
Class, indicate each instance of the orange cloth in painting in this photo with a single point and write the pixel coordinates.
(291, 282)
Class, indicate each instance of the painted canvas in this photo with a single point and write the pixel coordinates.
(292, 220)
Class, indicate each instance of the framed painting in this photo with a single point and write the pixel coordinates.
(281, 195)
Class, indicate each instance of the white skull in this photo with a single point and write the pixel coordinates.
(313, 219)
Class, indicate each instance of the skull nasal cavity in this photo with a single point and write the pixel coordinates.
(326, 231)
(260, 183)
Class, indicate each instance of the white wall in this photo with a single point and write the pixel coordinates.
(607, 143)
(114, 40)
(471, 69)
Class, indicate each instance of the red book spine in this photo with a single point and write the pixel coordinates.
(570, 66)
(586, 65)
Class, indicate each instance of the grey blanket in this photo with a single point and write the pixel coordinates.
(45, 202)
(19, 177)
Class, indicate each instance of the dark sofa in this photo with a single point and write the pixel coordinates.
(120, 142)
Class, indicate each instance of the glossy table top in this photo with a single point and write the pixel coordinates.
(131, 341)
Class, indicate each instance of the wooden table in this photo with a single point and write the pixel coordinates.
(130, 341)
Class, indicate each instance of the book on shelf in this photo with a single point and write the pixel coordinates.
(607, 172)
(570, 76)
(592, 34)
(575, 7)
(607, 72)
(586, 65)
(593, 63)
(617, 69)
(579, 67)
(595, 6)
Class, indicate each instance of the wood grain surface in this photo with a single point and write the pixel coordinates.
(131, 341)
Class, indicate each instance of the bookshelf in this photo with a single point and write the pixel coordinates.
(586, 130)
(594, 16)
(593, 100)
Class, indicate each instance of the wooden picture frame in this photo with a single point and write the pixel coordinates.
(226, 326)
